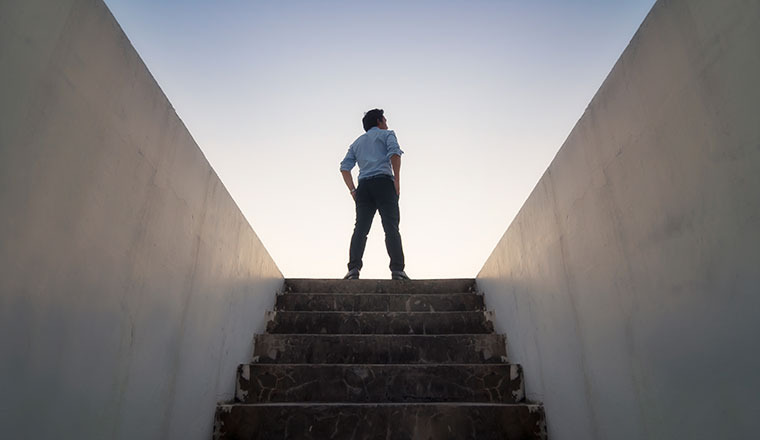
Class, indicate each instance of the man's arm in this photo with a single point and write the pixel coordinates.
(396, 164)
(349, 182)
(394, 154)
(346, 165)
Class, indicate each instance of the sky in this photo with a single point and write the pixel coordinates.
(481, 95)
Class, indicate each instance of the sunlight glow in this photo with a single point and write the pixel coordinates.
(481, 95)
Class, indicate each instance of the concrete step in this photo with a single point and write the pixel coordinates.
(301, 285)
(364, 383)
(380, 322)
(400, 421)
(383, 302)
(380, 349)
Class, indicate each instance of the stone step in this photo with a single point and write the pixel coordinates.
(380, 349)
(494, 383)
(383, 302)
(301, 285)
(380, 322)
(399, 421)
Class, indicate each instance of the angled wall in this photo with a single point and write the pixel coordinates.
(629, 282)
(130, 283)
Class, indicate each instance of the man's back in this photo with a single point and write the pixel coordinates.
(372, 152)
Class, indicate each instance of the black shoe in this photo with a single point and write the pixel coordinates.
(399, 275)
(352, 274)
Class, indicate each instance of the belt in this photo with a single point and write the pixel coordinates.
(379, 176)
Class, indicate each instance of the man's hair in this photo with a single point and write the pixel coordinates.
(371, 117)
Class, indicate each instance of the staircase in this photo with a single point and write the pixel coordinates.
(379, 359)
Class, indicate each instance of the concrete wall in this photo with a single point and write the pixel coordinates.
(629, 282)
(130, 283)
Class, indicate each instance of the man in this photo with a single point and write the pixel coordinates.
(379, 157)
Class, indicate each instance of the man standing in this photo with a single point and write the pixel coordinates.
(379, 157)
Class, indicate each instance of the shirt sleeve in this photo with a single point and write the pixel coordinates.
(348, 162)
(392, 143)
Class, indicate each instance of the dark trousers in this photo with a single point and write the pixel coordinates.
(376, 194)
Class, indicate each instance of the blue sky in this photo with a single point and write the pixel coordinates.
(481, 95)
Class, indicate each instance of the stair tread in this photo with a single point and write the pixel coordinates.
(379, 285)
(369, 404)
(379, 335)
(342, 365)
(381, 293)
(379, 383)
(379, 322)
(401, 312)
(379, 348)
(370, 421)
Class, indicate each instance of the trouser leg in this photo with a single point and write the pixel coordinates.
(387, 204)
(365, 212)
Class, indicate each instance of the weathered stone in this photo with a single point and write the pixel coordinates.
(380, 286)
(330, 302)
(380, 349)
(380, 359)
(399, 323)
(356, 383)
(373, 421)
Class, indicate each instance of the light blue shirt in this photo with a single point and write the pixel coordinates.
(372, 151)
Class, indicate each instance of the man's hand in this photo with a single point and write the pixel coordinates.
(349, 181)
(396, 164)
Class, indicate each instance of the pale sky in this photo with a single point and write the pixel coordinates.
(481, 95)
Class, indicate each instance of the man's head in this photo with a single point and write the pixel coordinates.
(374, 118)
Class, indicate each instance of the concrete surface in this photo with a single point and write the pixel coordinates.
(369, 286)
(370, 421)
(403, 381)
(629, 282)
(291, 348)
(130, 283)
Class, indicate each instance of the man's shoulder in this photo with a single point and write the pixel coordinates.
(359, 139)
(373, 134)
(385, 134)
(390, 137)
